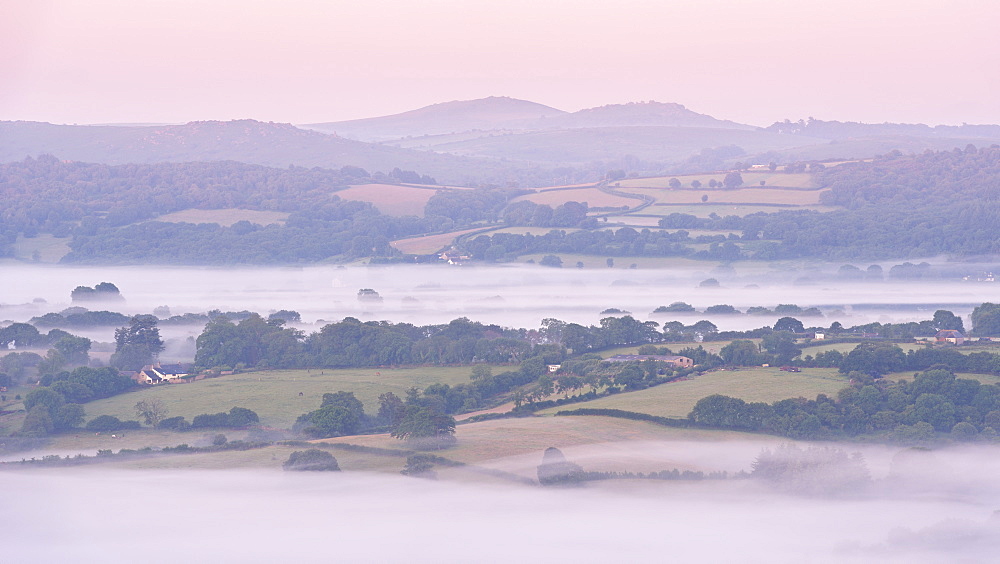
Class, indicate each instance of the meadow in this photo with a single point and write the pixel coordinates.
(708, 208)
(594, 197)
(391, 199)
(569, 260)
(801, 181)
(224, 217)
(278, 396)
(676, 399)
(49, 248)
(772, 196)
(429, 244)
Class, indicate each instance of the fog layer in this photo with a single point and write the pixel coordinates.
(266, 516)
(518, 296)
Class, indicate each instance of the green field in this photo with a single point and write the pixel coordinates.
(803, 181)
(225, 217)
(848, 347)
(429, 243)
(49, 248)
(569, 260)
(676, 399)
(274, 394)
(707, 209)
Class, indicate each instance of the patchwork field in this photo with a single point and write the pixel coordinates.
(676, 399)
(594, 198)
(391, 199)
(275, 395)
(429, 243)
(225, 217)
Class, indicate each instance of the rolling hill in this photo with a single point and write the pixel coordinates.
(447, 117)
(247, 141)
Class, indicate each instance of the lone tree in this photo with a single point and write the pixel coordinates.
(151, 411)
(732, 180)
(789, 324)
(138, 344)
(426, 427)
(312, 460)
(555, 470)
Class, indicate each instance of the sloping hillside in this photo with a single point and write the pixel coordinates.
(248, 141)
(637, 114)
(447, 117)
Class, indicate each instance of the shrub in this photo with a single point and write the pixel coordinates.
(108, 423)
(314, 460)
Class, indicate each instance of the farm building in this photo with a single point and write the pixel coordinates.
(950, 336)
(157, 373)
(678, 361)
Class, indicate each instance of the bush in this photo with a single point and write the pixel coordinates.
(174, 424)
(108, 423)
(313, 460)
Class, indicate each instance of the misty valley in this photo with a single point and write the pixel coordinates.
(493, 330)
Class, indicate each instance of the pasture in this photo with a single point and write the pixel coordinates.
(429, 243)
(676, 399)
(569, 260)
(391, 199)
(275, 394)
(708, 208)
(772, 196)
(224, 217)
(532, 230)
(802, 181)
(49, 248)
(594, 198)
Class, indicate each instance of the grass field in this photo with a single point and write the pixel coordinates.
(676, 399)
(983, 378)
(429, 243)
(803, 180)
(848, 347)
(532, 230)
(225, 217)
(594, 198)
(514, 446)
(391, 199)
(50, 249)
(707, 209)
(565, 186)
(274, 394)
(590, 261)
(742, 196)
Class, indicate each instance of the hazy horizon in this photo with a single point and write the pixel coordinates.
(308, 61)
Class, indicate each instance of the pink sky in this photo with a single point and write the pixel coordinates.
(301, 61)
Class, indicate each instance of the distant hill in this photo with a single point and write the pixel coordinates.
(248, 141)
(647, 114)
(854, 130)
(656, 145)
(447, 117)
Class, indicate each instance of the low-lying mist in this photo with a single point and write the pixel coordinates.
(509, 295)
(92, 514)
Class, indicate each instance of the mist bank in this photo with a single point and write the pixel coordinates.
(510, 295)
(258, 516)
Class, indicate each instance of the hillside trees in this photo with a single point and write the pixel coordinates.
(138, 344)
